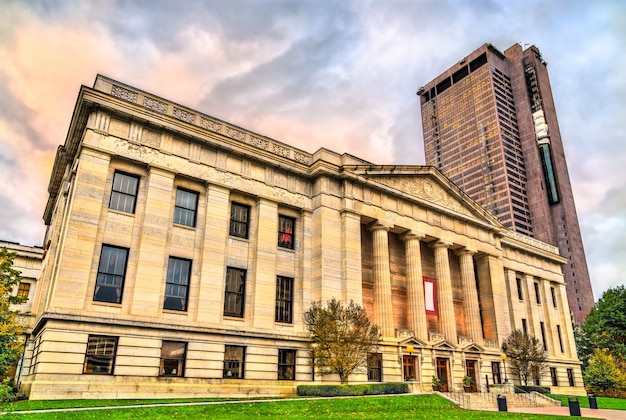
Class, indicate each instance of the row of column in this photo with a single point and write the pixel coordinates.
(416, 308)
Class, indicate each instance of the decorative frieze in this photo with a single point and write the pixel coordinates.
(183, 115)
(426, 189)
(532, 241)
(235, 134)
(260, 143)
(124, 94)
(210, 125)
(155, 105)
(280, 150)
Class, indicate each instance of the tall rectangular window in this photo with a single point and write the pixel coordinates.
(173, 358)
(554, 377)
(177, 284)
(186, 207)
(570, 377)
(111, 273)
(286, 365)
(286, 231)
(234, 361)
(552, 291)
(124, 192)
(495, 371)
(558, 332)
(537, 295)
(23, 290)
(524, 326)
(543, 336)
(284, 299)
(234, 292)
(239, 220)
(375, 367)
(100, 355)
(520, 294)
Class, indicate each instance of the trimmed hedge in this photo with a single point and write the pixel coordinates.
(352, 390)
(529, 388)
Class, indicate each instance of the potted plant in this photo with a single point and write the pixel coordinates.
(436, 383)
(467, 383)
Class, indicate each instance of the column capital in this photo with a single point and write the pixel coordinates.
(465, 251)
(411, 234)
(379, 225)
(440, 244)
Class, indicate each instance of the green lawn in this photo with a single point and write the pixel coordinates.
(387, 407)
(603, 402)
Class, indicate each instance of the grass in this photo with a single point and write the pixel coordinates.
(385, 407)
(603, 402)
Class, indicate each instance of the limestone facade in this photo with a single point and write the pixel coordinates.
(182, 252)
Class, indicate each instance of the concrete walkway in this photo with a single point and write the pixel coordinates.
(564, 411)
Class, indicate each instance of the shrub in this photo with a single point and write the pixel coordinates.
(352, 390)
(529, 388)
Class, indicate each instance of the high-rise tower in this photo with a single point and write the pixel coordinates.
(490, 125)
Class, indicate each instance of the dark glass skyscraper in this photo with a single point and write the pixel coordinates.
(490, 125)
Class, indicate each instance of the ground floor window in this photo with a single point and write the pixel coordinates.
(234, 360)
(495, 372)
(286, 365)
(375, 367)
(570, 377)
(555, 379)
(100, 355)
(409, 367)
(173, 358)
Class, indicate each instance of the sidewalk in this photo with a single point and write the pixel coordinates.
(564, 411)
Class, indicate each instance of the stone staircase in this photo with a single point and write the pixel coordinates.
(488, 400)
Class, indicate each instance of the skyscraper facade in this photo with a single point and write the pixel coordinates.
(490, 125)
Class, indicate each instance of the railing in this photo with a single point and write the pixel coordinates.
(460, 396)
(529, 397)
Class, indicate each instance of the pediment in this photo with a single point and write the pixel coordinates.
(444, 345)
(412, 341)
(473, 348)
(425, 184)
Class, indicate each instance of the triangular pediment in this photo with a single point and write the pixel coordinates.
(426, 185)
(412, 341)
(472, 348)
(444, 345)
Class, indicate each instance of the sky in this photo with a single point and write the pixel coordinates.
(340, 74)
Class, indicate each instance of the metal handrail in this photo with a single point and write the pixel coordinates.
(530, 397)
(460, 396)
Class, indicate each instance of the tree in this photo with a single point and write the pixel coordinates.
(584, 347)
(605, 325)
(602, 373)
(10, 345)
(341, 337)
(526, 356)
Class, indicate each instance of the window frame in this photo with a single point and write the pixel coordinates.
(558, 332)
(238, 364)
(236, 224)
(542, 326)
(520, 292)
(554, 377)
(100, 275)
(537, 293)
(23, 290)
(179, 370)
(90, 357)
(286, 365)
(553, 292)
(119, 193)
(284, 300)
(570, 377)
(180, 209)
(170, 283)
(286, 232)
(230, 308)
(374, 367)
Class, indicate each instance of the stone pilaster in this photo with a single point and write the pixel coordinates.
(447, 321)
(473, 326)
(383, 312)
(416, 311)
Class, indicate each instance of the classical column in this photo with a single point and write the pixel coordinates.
(383, 313)
(416, 311)
(447, 321)
(473, 327)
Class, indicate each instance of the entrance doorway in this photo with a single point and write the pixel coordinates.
(409, 367)
(442, 374)
(470, 370)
